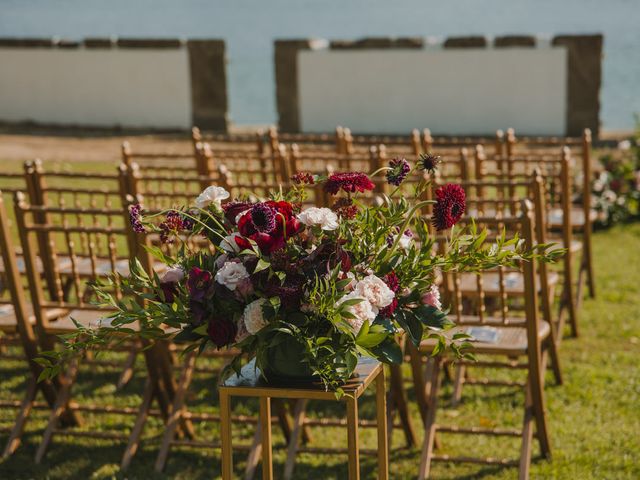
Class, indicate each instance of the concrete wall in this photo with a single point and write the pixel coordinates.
(462, 85)
(130, 83)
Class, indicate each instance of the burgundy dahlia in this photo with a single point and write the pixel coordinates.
(450, 206)
(350, 182)
(399, 170)
(135, 217)
(428, 162)
(222, 331)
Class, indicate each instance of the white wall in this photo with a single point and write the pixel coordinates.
(127, 87)
(455, 91)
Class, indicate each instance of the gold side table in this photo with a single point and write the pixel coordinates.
(250, 384)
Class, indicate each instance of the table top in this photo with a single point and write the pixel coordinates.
(250, 383)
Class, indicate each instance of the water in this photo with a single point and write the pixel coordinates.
(250, 26)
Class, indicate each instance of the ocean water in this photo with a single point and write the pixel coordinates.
(250, 26)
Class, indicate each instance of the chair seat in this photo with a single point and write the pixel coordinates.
(86, 318)
(513, 283)
(509, 340)
(555, 217)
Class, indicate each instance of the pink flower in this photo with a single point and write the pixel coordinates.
(432, 298)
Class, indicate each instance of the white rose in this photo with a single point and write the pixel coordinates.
(228, 243)
(211, 195)
(231, 274)
(172, 275)
(375, 291)
(324, 218)
(362, 311)
(253, 316)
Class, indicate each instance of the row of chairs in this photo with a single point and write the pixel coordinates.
(504, 206)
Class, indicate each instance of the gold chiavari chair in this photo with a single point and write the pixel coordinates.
(557, 172)
(16, 319)
(582, 213)
(500, 333)
(103, 237)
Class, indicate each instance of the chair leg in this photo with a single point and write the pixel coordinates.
(569, 302)
(430, 425)
(398, 400)
(25, 408)
(136, 431)
(255, 452)
(555, 359)
(176, 410)
(64, 393)
(294, 441)
(127, 372)
(527, 436)
(458, 384)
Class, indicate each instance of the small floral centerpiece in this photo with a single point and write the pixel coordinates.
(305, 291)
(616, 189)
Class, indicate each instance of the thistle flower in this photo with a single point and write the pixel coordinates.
(135, 217)
(450, 206)
(428, 162)
(399, 170)
(349, 182)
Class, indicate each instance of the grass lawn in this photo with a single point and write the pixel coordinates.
(594, 417)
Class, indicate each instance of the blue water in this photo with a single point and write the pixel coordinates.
(250, 26)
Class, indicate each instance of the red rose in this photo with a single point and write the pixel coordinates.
(222, 331)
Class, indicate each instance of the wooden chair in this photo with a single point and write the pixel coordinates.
(525, 337)
(98, 240)
(583, 215)
(16, 318)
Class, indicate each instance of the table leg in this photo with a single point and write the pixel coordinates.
(225, 434)
(352, 437)
(265, 423)
(383, 447)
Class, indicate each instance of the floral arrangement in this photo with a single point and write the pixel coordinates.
(305, 291)
(616, 189)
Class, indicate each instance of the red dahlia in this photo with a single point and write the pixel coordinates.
(350, 182)
(450, 206)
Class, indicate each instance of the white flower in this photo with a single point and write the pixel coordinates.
(231, 274)
(624, 145)
(172, 275)
(324, 218)
(228, 243)
(406, 241)
(253, 316)
(363, 311)
(211, 195)
(375, 291)
(609, 196)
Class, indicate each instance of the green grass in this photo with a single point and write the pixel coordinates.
(594, 418)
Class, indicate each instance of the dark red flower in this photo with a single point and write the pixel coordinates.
(303, 178)
(345, 208)
(326, 257)
(263, 218)
(174, 222)
(233, 209)
(399, 170)
(222, 331)
(286, 225)
(289, 291)
(199, 283)
(390, 309)
(450, 206)
(350, 182)
(169, 289)
(391, 279)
